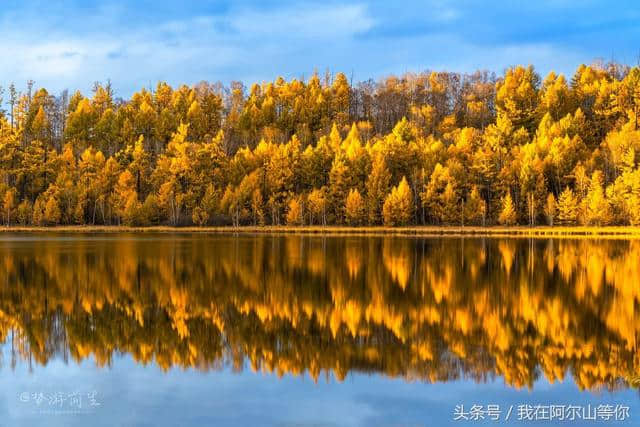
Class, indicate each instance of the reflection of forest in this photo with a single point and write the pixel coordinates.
(426, 309)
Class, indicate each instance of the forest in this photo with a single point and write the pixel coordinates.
(436, 148)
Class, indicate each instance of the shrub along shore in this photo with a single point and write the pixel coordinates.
(613, 231)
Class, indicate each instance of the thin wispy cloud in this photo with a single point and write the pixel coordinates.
(304, 22)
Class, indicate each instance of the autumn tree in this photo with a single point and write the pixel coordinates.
(52, 213)
(508, 215)
(295, 212)
(441, 196)
(9, 204)
(317, 201)
(596, 207)
(24, 213)
(38, 217)
(398, 206)
(127, 206)
(475, 208)
(550, 208)
(517, 97)
(355, 208)
(377, 187)
(567, 207)
(338, 188)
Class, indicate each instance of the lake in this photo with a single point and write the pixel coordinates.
(157, 329)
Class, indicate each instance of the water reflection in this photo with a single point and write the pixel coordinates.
(422, 309)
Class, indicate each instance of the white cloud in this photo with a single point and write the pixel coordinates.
(73, 48)
(305, 22)
(177, 50)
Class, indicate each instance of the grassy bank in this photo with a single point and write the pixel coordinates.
(421, 231)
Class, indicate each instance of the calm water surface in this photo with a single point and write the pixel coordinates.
(225, 330)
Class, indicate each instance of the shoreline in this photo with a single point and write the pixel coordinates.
(518, 231)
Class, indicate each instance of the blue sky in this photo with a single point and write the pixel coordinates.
(71, 44)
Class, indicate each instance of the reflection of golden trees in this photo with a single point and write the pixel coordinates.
(429, 309)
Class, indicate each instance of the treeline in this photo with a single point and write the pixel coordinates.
(428, 148)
